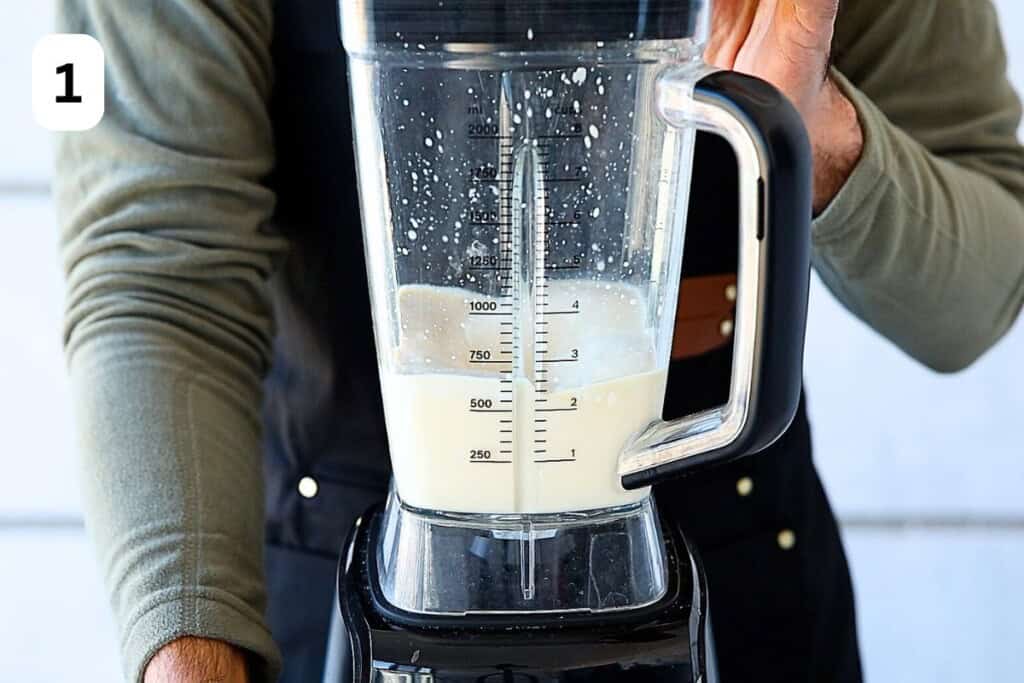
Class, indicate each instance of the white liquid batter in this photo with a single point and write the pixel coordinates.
(547, 438)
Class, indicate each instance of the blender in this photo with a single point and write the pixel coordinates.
(524, 172)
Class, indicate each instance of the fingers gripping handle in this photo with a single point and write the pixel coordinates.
(774, 157)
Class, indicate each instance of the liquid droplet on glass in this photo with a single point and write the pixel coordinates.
(579, 76)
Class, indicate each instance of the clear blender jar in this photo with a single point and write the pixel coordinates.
(524, 173)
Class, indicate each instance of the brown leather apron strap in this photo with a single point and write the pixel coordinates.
(704, 317)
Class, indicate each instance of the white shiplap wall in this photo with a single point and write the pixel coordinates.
(24, 147)
(926, 471)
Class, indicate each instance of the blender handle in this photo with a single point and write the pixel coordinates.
(771, 146)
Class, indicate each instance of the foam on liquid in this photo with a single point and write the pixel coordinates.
(454, 444)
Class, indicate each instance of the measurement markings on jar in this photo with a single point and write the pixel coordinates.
(550, 412)
(502, 285)
(500, 309)
(541, 380)
(552, 361)
(497, 272)
(487, 361)
(540, 250)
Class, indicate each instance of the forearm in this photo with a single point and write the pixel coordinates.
(925, 250)
(837, 143)
(168, 328)
(194, 660)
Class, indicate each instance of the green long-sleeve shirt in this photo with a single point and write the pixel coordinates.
(168, 331)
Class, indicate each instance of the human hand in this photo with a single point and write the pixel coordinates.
(197, 660)
(788, 43)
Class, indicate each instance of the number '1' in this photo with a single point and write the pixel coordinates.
(69, 96)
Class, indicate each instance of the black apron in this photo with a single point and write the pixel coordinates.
(782, 604)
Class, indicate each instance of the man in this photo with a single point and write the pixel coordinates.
(224, 158)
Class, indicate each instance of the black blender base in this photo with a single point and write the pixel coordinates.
(668, 642)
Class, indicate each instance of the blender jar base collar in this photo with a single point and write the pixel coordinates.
(449, 564)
